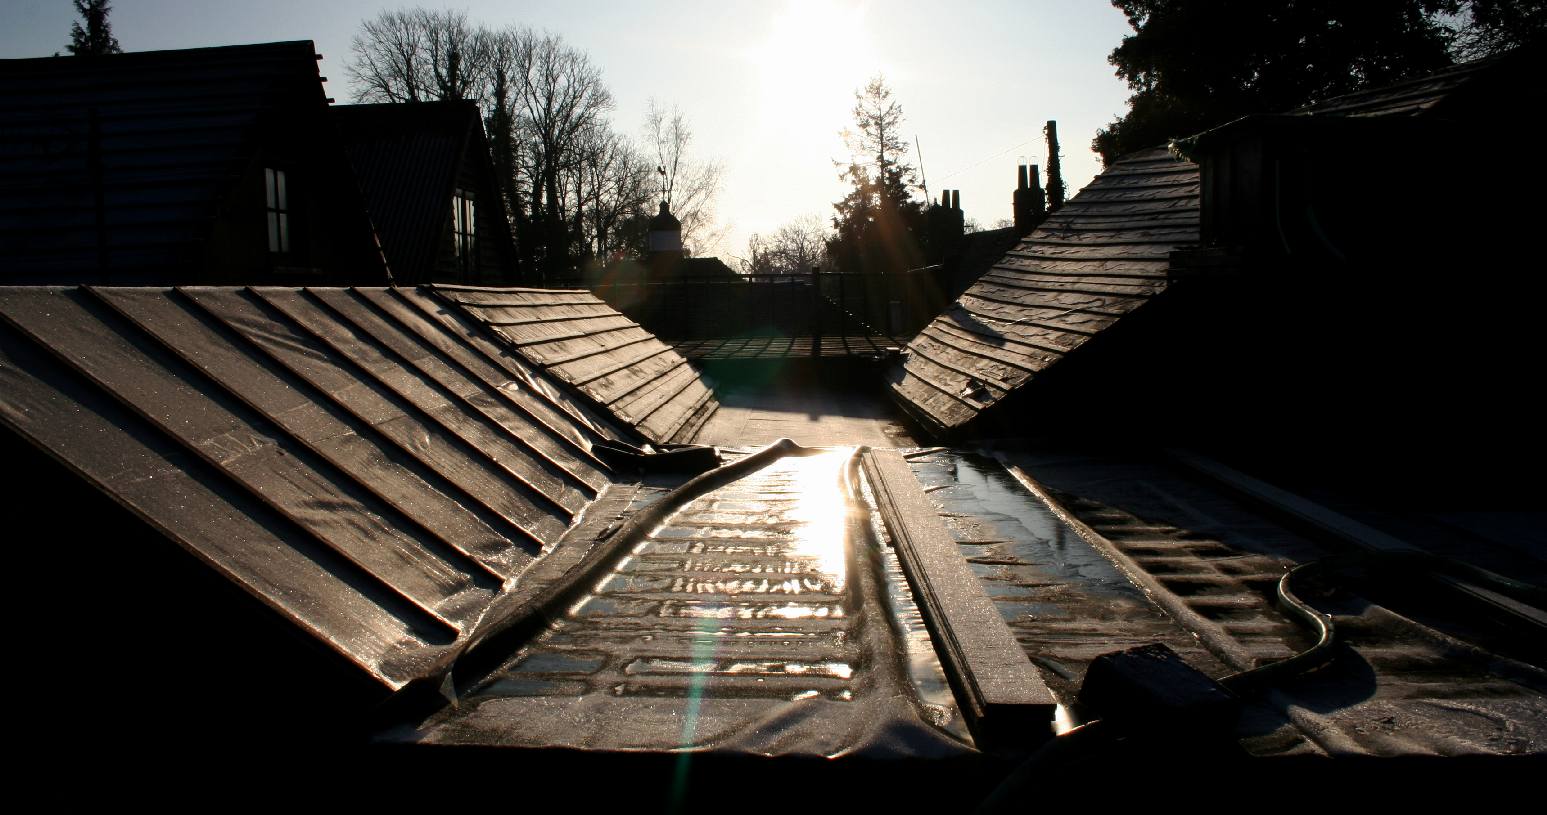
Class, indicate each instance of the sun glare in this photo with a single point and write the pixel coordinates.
(822, 513)
(812, 58)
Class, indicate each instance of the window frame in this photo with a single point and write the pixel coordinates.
(277, 210)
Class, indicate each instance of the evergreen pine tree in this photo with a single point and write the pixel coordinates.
(96, 37)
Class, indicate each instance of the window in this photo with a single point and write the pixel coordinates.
(462, 234)
(278, 210)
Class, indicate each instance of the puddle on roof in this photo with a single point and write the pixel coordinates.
(1013, 542)
(750, 606)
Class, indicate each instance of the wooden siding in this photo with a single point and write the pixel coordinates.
(353, 458)
(581, 341)
(1098, 259)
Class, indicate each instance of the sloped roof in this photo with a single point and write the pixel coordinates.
(1414, 97)
(159, 135)
(583, 342)
(1100, 257)
(406, 157)
(363, 461)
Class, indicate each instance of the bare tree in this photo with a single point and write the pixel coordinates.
(614, 183)
(568, 180)
(559, 98)
(688, 185)
(391, 59)
(793, 248)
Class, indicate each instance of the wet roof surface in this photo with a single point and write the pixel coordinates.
(359, 459)
(585, 343)
(759, 602)
(1105, 254)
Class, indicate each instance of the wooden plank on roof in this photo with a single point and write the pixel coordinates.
(1087, 251)
(641, 403)
(602, 354)
(1015, 349)
(549, 341)
(254, 547)
(324, 430)
(395, 419)
(1053, 328)
(281, 475)
(1154, 235)
(509, 316)
(942, 409)
(430, 400)
(607, 342)
(701, 413)
(534, 438)
(1090, 302)
(462, 352)
(587, 369)
(1003, 362)
(609, 386)
(1093, 284)
(964, 386)
(1104, 208)
(994, 373)
(536, 392)
(668, 420)
(1003, 692)
(1181, 176)
(1096, 194)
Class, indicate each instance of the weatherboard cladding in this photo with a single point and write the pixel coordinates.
(160, 136)
(583, 342)
(1098, 259)
(358, 459)
(406, 159)
(409, 158)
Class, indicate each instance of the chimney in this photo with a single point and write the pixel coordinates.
(1028, 205)
(946, 226)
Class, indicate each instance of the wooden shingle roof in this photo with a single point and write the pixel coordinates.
(363, 462)
(1415, 97)
(1098, 259)
(585, 343)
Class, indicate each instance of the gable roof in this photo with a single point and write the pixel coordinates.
(362, 461)
(116, 164)
(1099, 258)
(406, 157)
(582, 341)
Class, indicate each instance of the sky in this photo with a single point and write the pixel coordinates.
(767, 87)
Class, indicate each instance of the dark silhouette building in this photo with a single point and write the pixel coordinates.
(204, 165)
(430, 189)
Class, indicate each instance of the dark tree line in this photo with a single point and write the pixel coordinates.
(576, 190)
(1195, 64)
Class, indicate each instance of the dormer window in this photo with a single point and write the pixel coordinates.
(278, 210)
(463, 241)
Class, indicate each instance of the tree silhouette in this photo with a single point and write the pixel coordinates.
(878, 223)
(1195, 64)
(96, 37)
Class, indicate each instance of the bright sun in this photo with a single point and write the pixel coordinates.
(810, 61)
